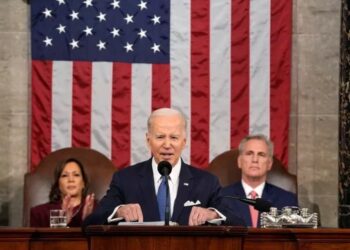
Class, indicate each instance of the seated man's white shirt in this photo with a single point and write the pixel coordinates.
(248, 189)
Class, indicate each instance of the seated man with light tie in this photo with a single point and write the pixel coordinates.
(134, 192)
(255, 160)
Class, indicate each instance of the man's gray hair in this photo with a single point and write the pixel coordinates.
(260, 137)
(166, 112)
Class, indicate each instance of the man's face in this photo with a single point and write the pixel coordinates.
(255, 161)
(166, 138)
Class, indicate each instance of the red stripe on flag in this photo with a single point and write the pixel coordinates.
(281, 30)
(81, 120)
(239, 71)
(200, 77)
(160, 86)
(41, 111)
(121, 115)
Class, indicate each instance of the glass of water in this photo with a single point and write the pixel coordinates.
(58, 218)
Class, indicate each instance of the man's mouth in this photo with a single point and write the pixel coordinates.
(166, 156)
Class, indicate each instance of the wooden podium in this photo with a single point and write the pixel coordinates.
(165, 237)
(177, 237)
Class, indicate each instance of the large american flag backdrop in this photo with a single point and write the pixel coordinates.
(99, 67)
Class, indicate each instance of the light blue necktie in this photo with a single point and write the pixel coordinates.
(161, 198)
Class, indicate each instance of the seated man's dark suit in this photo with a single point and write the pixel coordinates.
(277, 196)
(135, 184)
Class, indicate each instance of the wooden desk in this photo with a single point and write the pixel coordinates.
(298, 239)
(15, 238)
(58, 239)
(322, 238)
(169, 238)
(165, 238)
(42, 239)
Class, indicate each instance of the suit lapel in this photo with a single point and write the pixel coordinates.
(267, 194)
(242, 207)
(147, 192)
(184, 190)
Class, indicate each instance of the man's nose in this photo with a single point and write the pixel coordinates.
(255, 158)
(167, 143)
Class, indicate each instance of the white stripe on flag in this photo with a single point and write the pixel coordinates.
(141, 101)
(220, 77)
(181, 64)
(101, 117)
(61, 127)
(259, 107)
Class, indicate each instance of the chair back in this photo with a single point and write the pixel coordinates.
(225, 167)
(37, 184)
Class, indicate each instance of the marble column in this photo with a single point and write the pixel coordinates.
(344, 119)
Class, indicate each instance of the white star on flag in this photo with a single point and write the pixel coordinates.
(155, 48)
(142, 33)
(74, 44)
(48, 41)
(101, 45)
(88, 3)
(60, 2)
(129, 18)
(101, 16)
(115, 4)
(74, 15)
(87, 31)
(61, 29)
(128, 47)
(142, 5)
(115, 32)
(155, 19)
(47, 13)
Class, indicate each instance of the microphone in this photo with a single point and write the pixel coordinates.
(164, 168)
(259, 204)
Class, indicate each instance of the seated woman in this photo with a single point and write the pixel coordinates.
(68, 192)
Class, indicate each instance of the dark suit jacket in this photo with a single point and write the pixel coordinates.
(135, 184)
(277, 196)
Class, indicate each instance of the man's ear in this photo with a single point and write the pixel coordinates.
(270, 164)
(239, 159)
(147, 139)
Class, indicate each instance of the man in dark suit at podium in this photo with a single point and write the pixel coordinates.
(255, 160)
(194, 193)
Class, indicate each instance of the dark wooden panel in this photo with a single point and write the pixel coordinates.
(164, 243)
(59, 239)
(262, 239)
(14, 245)
(322, 238)
(15, 238)
(173, 238)
(165, 238)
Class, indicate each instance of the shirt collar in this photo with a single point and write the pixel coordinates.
(175, 171)
(247, 189)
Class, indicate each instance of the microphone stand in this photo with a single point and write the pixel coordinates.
(167, 202)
